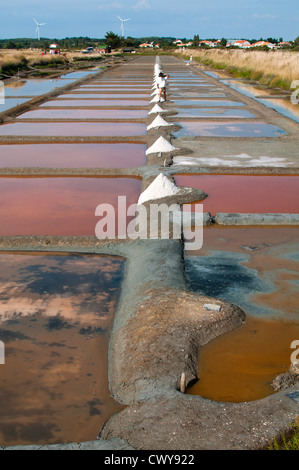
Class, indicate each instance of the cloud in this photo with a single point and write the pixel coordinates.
(263, 16)
(142, 5)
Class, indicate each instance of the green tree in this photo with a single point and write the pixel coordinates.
(113, 40)
(297, 41)
(196, 40)
(223, 42)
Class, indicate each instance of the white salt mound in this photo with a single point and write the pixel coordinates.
(155, 99)
(161, 145)
(159, 188)
(156, 109)
(159, 122)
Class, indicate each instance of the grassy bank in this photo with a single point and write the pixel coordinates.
(275, 69)
(14, 62)
(289, 441)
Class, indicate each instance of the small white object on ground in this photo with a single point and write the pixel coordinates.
(213, 307)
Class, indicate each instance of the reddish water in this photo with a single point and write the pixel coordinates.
(73, 129)
(60, 205)
(246, 194)
(55, 323)
(85, 114)
(121, 155)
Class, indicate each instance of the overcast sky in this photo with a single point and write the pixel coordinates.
(94, 18)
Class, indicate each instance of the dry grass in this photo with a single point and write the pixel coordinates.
(277, 65)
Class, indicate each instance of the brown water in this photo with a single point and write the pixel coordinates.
(257, 269)
(61, 205)
(56, 312)
(245, 193)
(107, 155)
(239, 366)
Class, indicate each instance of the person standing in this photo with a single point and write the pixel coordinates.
(161, 85)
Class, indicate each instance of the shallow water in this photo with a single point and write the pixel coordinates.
(34, 86)
(92, 103)
(257, 269)
(284, 105)
(245, 193)
(56, 312)
(226, 129)
(207, 103)
(11, 103)
(239, 366)
(104, 96)
(73, 129)
(85, 114)
(215, 113)
(61, 205)
(109, 155)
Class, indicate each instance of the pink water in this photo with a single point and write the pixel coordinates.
(121, 155)
(60, 205)
(73, 129)
(246, 194)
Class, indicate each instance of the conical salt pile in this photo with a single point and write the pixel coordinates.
(156, 99)
(156, 109)
(159, 188)
(159, 122)
(161, 145)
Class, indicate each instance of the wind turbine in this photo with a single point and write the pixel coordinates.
(122, 27)
(38, 25)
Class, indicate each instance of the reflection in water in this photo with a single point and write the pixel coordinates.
(257, 269)
(282, 105)
(56, 312)
(215, 113)
(207, 103)
(226, 129)
(34, 86)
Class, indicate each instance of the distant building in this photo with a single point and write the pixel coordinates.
(146, 44)
(263, 43)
